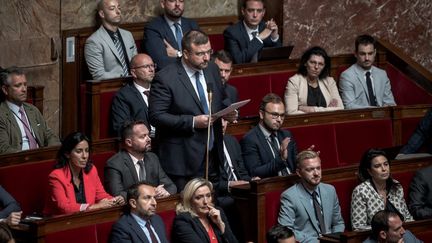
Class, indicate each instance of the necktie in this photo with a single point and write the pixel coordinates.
(146, 92)
(255, 56)
(227, 167)
(179, 35)
(318, 212)
(142, 172)
(203, 101)
(152, 235)
(201, 94)
(372, 99)
(119, 48)
(276, 151)
(30, 137)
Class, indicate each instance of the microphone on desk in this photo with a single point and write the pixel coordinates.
(210, 98)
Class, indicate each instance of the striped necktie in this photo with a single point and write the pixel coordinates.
(178, 34)
(121, 53)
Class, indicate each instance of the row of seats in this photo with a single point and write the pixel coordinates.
(258, 203)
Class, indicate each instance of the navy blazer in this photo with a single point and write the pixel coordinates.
(242, 49)
(156, 31)
(258, 156)
(189, 229)
(231, 92)
(7, 204)
(173, 104)
(126, 229)
(128, 105)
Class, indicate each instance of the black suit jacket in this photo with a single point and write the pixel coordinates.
(7, 204)
(156, 31)
(420, 194)
(242, 49)
(231, 93)
(126, 229)
(173, 104)
(240, 171)
(120, 173)
(188, 229)
(258, 156)
(128, 105)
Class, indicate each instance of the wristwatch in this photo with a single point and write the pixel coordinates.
(179, 54)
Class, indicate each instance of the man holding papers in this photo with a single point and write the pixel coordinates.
(179, 109)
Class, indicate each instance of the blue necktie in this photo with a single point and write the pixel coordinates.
(201, 93)
(179, 35)
(203, 101)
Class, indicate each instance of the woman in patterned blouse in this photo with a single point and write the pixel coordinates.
(378, 191)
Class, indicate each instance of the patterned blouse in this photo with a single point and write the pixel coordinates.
(366, 201)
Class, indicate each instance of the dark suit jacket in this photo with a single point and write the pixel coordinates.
(422, 135)
(231, 93)
(173, 104)
(189, 229)
(258, 156)
(242, 49)
(128, 105)
(156, 31)
(126, 229)
(240, 171)
(10, 134)
(120, 173)
(7, 204)
(420, 194)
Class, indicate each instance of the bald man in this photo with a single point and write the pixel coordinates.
(108, 50)
(131, 102)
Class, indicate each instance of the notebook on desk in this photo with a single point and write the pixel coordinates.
(275, 53)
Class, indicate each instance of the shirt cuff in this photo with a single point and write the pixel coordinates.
(84, 207)
(275, 39)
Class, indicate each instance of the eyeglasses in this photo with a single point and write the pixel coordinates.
(203, 53)
(146, 66)
(276, 115)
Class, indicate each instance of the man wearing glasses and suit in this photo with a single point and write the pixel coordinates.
(267, 149)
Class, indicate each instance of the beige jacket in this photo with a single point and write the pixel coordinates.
(296, 93)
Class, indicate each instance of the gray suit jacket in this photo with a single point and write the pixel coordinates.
(102, 56)
(120, 173)
(10, 134)
(297, 212)
(354, 91)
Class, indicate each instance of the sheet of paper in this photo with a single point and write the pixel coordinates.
(232, 107)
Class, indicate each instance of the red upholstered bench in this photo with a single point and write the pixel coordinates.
(354, 138)
(27, 184)
(217, 42)
(99, 160)
(87, 234)
(272, 204)
(344, 190)
(254, 88)
(324, 139)
(405, 91)
(279, 82)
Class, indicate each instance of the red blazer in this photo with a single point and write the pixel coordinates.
(61, 194)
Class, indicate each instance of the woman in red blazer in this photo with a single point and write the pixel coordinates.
(74, 184)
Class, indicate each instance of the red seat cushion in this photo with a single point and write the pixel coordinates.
(168, 219)
(403, 88)
(99, 160)
(82, 235)
(344, 190)
(29, 190)
(272, 206)
(323, 137)
(254, 88)
(217, 42)
(354, 138)
(279, 82)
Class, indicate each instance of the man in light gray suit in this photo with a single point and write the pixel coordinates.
(108, 51)
(364, 85)
(135, 163)
(310, 208)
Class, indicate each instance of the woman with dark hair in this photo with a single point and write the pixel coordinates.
(377, 191)
(198, 220)
(312, 89)
(74, 184)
